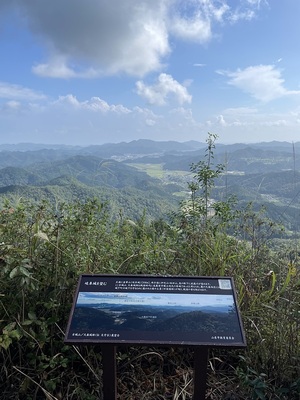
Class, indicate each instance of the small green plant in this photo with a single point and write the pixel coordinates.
(254, 382)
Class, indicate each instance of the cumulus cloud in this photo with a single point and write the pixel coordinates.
(86, 39)
(221, 120)
(71, 121)
(263, 82)
(95, 104)
(165, 87)
(110, 35)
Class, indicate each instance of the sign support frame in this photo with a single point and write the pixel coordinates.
(200, 372)
(109, 374)
(109, 380)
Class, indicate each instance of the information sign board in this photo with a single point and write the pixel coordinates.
(165, 310)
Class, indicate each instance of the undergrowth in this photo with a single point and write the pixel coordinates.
(44, 249)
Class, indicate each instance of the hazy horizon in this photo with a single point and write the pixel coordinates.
(136, 140)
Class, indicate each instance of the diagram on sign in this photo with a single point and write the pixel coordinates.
(150, 312)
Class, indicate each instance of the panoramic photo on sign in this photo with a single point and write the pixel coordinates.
(154, 309)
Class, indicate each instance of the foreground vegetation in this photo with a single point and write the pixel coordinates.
(44, 248)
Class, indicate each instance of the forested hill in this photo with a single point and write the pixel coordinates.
(90, 170)
(124, 188)
(123, 174)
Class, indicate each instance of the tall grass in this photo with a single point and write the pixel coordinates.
(44, 248)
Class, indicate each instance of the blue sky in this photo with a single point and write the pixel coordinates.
(98, 71)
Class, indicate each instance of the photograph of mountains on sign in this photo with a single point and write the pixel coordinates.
(153, 309)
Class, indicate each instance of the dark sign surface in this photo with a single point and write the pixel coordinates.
(167, 310)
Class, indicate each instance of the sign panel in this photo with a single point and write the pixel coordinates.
(165, 310)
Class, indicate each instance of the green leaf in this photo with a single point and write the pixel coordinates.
(27, 322)
(24, 271)
(8, 328)
(14, 272)
(5, 341)
(32, 316)
(15, 334)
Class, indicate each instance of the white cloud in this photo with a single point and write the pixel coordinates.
(221, 120)
(256, 3)
(92, 121)
(72, 121)
(13, 104)
(95, 104)
(165, 87)
(246, 10)
(58, 68)
(10, 107)
(185, 114)
(263, 82)
(17, 92)
(197, 29)
(254, 123)
(242, 15)
(150, 122)
(107, 36)
(95, 38)
(193, 20)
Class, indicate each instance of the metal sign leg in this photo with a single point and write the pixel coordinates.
(109, 372)
(200, 372)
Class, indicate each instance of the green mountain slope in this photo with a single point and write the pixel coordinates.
(264, 173)
(92, 171)
(123, 188)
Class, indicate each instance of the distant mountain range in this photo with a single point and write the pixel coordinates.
(243, 157)
(265, 173)
(164, 318)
